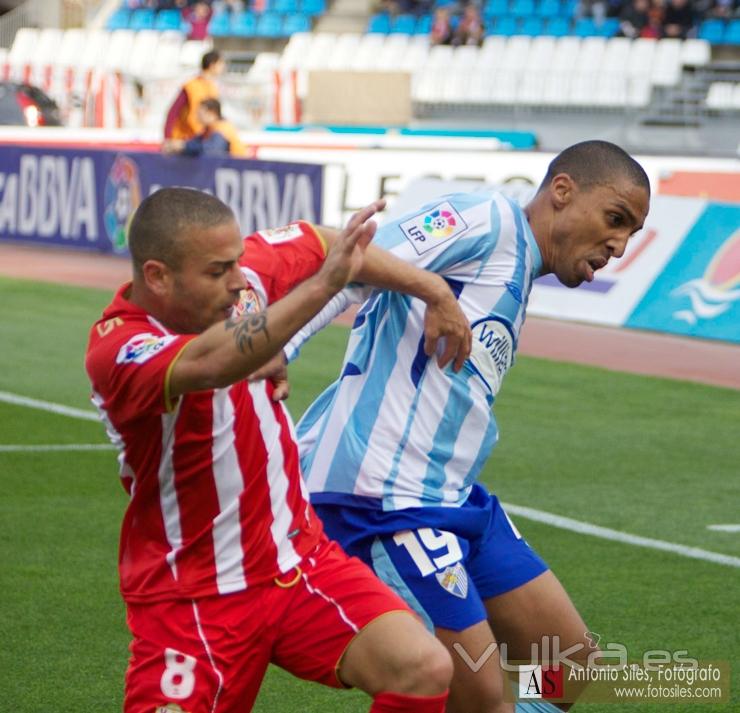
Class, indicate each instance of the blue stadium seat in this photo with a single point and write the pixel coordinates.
(495, 8)
(244, 24)
(404, 25)
(609, 27)
(713, 31)
(506, 26)
(557, 27)
(297, 22)
(732, 33)
(270, 24)
(168, 20)
(142, 19)
(286, 7)
(548, 8)
(585, 27)
(532, 26)
(119, 20)
(379, 24)
(570, 7)
(220, 25)
(424, 25)
(522, 8)
(312, 8)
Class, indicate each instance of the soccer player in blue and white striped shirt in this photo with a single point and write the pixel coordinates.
(392, 450)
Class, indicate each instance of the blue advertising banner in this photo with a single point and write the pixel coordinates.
(84, 199)
(698, 291)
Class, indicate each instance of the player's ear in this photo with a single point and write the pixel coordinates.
(562, 189)
(157, 277)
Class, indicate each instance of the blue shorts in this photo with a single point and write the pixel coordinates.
(444, 561)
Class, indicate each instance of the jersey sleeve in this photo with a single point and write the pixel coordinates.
(283, 257)
(446, 236)
(130, 367)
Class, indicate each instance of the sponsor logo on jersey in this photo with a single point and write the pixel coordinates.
(435, 227)
(248, 302)
(282, 235)
(492, 352)
(454, 579)
(142, 348)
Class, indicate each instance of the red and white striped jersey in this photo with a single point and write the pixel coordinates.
(217, 499)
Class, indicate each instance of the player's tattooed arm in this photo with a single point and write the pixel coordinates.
(246, 328)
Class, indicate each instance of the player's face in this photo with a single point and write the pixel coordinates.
(594, 226)
(209, 280)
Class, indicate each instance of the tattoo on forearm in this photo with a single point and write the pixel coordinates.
(246, 328)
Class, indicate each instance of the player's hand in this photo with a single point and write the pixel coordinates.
(276, 370)
(445, 320)
(344, 259)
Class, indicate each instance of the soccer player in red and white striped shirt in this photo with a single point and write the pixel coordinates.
(224, 566)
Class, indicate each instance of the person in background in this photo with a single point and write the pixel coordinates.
(678, 19)
(633, 18)
(470, 30)
(218, 138)
(441, 33)
(198, 16)
(182, 119)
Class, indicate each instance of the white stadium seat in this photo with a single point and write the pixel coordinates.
(192, 52)
(142, 53)
(696, 53)
(119, 50)
(24, 46)
(344, 51)
(666, 70)
(720, 95)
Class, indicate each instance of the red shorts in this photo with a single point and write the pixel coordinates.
(210, 654)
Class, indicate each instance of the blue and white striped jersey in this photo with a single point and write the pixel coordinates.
(395, 429)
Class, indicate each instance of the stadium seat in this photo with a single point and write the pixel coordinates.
(296, 49)
(244, 24)
(320, 52)
(666, 70)
(286, 7)
(142, 54)
(557, 27)
(720, 95)
(609, 27)
(585, 27)
(522, 8)
(313, 8)
(696, 53)
(220, 25)
(119, 50)
(94, 48)
(642, 54)
(379, 24)
(142, 19)
(167, 55)
(416, 54)
(531, 26)
(424, 25)
(548, 8)
(47, 49)
(270, 24)
(119, 20)
(297, 22)
(392, 52)
(191, 53)
(24, 46)
(168, 20)
(713, 31)
(506, 26)
(404, 25)
(732, 33)
(495, 8)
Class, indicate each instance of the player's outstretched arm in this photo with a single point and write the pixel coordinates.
(444, 319)
(230, 350)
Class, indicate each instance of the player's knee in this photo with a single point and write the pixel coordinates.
(425, 670)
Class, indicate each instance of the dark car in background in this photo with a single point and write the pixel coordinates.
(26, 105)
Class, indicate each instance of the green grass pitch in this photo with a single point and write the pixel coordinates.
(651, 457)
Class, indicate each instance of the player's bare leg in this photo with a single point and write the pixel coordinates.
(540, 608)
(395, 654)
(478, 682)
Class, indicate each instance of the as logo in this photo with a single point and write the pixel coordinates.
(142, 347)
(282, 235)
(121, 195)
(170, 708)
(540, 682)
(434, 227)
